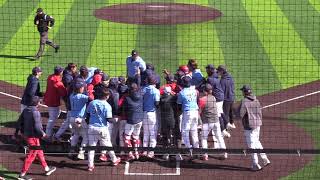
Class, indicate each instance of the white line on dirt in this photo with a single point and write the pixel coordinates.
(292, 99)
(127, 167)
(16, 97)
(154, 6)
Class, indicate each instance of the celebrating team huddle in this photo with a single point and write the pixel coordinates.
(136, 110)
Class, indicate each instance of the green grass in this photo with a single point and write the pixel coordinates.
(287, 51)
(243, 52)
(7, 174)
(7, 116)
(306, 21)
(315, 4)
(308, 120)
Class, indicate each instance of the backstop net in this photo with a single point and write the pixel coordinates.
(171, 125)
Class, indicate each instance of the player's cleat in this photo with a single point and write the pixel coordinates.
(103, 158)
(57, 48)
(179, 157)
(256, 167)
(226, 134)
(145, 153)
(25, 177)
(91, 168)
(116, 162)
(80, 155)
(50, 171)
(166, 157)
(225, 155)
(205, 157)
(231, 126)
(150, 154)
(266, 162)
(137, 155)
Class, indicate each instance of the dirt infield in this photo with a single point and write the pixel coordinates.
(277, 133)
(157, 13)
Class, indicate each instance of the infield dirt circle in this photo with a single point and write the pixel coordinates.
(157, 13)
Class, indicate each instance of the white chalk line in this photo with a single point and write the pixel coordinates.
(16, 97)
(154, 6)
(127, 168)
(291, 99)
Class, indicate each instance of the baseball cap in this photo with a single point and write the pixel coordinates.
(58, 69)
(246, 88)
(208, 87)
(210, 66)
(83, 69)
(186, 81)
(36, 70)
(97, 71)
(134, 52)
(79, 85)
(169, 78)
(222, 68)
(114, 82)
(121, 78)
(39, 10)
(184, 68)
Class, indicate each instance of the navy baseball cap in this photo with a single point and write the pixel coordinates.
(134, 52)
(246, 88)
(114, 82)
(222, 68)
(39, 10)
(210, 66)
(36, 70)
(79, 84)
(58, 69)
(186, 81)
(122, 78)
(169, 78)
(208, 87)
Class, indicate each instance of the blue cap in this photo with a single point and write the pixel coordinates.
(79, 85)
(58, 70)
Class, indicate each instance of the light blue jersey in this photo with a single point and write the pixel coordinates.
(150, 95)
(100, 111)
(132, 66)
(78, 104)
(188, 99)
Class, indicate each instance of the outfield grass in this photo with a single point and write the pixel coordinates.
(308, 120)
(7, 116)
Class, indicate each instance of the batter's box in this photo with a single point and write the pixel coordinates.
(152, 169)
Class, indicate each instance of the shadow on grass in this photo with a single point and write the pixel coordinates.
(30, 58)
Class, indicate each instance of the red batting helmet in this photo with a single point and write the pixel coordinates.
(184, 69)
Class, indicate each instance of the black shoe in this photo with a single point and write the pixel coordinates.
(57, 48)
(36, 57)
(51, 170)
(25, 177)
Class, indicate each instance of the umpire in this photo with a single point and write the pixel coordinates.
(44, 22)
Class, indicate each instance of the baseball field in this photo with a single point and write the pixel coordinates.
(273, 45)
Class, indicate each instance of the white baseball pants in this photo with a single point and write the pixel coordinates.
(253, 142)
(54, 113)
(149, 129)
(189, 127)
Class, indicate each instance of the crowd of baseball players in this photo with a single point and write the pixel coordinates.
(136, 110)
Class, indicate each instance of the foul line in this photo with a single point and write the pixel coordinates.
(292, 99)
(127, 167)
(16, 97)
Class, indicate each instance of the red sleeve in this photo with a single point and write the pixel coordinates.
(61, 89)
(121, 101)
(202, 103)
